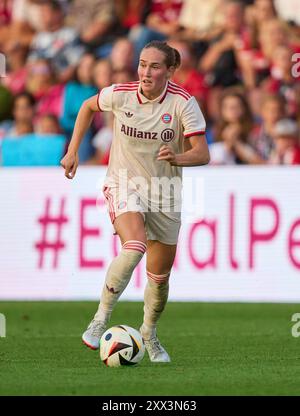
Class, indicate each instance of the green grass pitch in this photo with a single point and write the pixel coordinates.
(216, 349)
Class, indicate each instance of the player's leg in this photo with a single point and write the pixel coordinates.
(160, 258)
(130, 228)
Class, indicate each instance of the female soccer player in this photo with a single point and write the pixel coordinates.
(158, 129)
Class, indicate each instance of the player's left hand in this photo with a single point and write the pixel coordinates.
(167, 153)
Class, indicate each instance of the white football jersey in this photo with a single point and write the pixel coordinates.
(141, 127)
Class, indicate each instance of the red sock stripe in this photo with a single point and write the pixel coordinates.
(158, 278)
(135, 245)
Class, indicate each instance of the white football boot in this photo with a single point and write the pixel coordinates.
(91, 337)
(156, 351)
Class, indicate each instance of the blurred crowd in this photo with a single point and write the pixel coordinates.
(240, 59)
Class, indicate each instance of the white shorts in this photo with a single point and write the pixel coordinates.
(160, 226)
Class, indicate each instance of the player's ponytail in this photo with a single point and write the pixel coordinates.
(172, 56)
(177, 59)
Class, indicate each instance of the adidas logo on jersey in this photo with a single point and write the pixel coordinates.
(129, 114)
(133, 132)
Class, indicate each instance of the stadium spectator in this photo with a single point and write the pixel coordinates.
(187, 76)
(122, 55)
(203, 29)
(18, 22)
(41, 82)
(82, 88)
(57, 43)
(286, 143)
(23, 116)
(288, 10)
(282, 80)
(130, 12)
(95, 21)
(234, 42)
(232, 131)
(16, 69)
(102, 73)
(255, 15)
(220, 60)
(6, 100)
(102, 141)
(255, 64)
(102, 77)
(161, 22)
(262, 136)
(123, 76)
(5, 12)
(47, 124)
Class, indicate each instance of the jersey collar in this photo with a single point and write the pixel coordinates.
(142, 99)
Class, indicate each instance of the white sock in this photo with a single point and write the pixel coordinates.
(118, 277)
(155, 299)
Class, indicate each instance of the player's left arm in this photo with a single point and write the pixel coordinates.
(198, 154)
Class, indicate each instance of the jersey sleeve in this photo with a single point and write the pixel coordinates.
(105, 99)
(192, 119)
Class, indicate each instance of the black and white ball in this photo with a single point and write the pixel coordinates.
(121, 345)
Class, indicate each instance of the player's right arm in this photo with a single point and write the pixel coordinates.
(83, 121)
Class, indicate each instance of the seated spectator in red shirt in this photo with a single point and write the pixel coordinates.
(272, 109)
(283, 81)
(286, 143)
(187, 76)
(41, 83)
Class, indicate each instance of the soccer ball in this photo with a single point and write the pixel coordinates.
(121, 345)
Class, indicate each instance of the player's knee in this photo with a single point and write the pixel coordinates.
(130, 226)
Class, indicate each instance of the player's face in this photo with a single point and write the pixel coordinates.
(153, 72)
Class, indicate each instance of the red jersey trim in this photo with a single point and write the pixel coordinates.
(178, 93)
(188, 96)
(196, 133)
(127, 84)
(179, 88)
(125, 89)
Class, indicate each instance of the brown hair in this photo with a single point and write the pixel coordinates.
(172, 56)
(246, 120)
(267, 97)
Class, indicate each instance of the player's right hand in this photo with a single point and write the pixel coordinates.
(70, 162)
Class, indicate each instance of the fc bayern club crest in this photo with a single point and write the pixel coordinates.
(166, 118)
